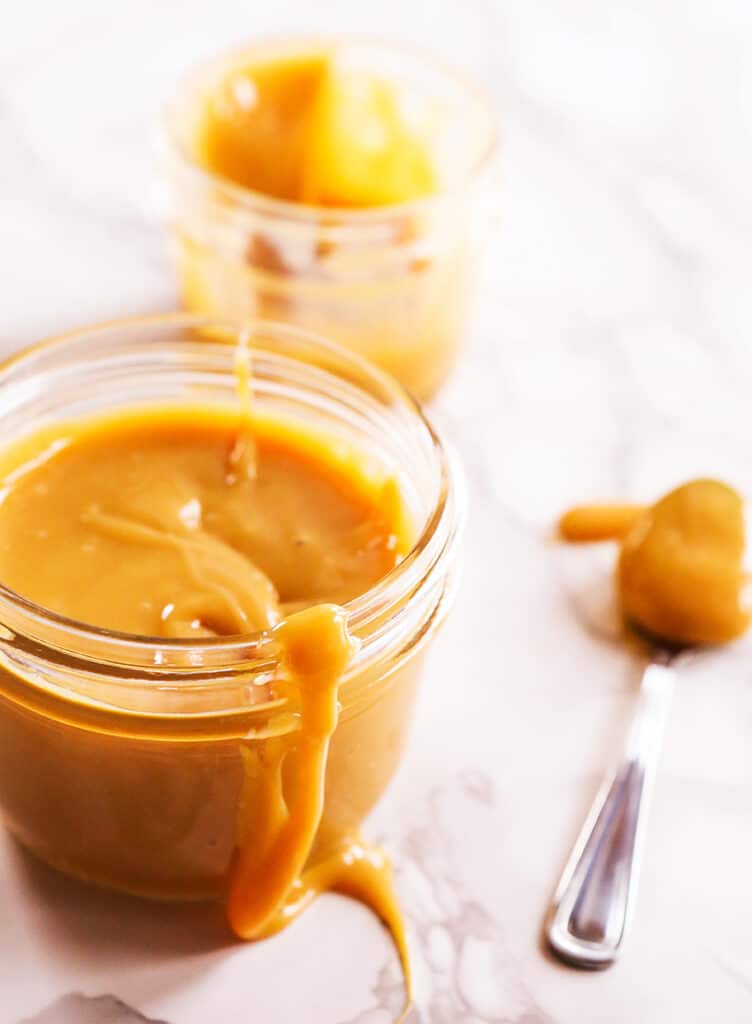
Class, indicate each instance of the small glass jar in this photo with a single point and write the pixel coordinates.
(393, 282)
(139, 763)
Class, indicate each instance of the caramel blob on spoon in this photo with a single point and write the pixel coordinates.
(681, 573)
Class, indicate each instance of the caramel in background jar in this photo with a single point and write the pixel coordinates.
(362, 218)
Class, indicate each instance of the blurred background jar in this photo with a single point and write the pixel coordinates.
(392, 282)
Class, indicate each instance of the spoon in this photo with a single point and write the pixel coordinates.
(594, 901)
(682, 580)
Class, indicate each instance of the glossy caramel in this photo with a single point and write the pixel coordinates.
(190, 522)
(682, 573)
(301, 128)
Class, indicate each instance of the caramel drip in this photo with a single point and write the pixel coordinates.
(243, 459)
(268, 886)
(316, 649)
(363, 872)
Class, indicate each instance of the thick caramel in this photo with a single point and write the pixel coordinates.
(681, 572)
(190, 522)
(143, 523)
(300, 128)
(587, 523)
(256, 124)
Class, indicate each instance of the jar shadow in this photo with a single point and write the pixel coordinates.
(109, 937)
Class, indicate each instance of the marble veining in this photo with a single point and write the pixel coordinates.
(80, 1009)
(463, 971)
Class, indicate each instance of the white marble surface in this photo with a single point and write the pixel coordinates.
(611, 356)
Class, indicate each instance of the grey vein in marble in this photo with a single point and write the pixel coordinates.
(76, 1008)
(463, 971)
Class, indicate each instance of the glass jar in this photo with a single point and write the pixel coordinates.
(392, 283)
(139, 763)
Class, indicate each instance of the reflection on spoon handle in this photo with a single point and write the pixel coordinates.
(595, 897)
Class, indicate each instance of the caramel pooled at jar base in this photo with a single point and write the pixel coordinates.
(391, 280)
(146, 764)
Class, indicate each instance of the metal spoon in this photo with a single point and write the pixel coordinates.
(594, 900)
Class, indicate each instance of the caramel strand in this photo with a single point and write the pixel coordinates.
(316, 648)
(268, 886)
(243, 461)
(363, 872)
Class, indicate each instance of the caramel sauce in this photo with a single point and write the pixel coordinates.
(587, 523)
(304, 129)
(682, 574)
(195, 522)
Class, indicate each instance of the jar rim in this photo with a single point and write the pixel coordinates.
(131, 651)
(252, 201)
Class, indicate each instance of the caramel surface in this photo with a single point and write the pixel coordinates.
(681, 572)
(154, 524)
(300, 128)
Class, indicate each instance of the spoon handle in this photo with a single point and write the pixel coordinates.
(594, 900)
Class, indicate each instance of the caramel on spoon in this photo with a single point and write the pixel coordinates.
(682, 581)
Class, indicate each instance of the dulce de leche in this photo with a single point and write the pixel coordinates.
(682, 573)
(192, 524)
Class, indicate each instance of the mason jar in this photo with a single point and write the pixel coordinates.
(394, 282)
(139, 763)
